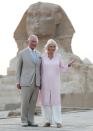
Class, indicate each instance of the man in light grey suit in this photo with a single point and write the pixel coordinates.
(28, 80)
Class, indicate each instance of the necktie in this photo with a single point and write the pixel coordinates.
(34, 55)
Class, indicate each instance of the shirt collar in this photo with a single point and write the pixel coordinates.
(31, 49)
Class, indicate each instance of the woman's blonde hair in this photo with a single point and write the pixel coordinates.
(51, 41)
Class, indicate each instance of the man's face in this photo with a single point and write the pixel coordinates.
(32, 44)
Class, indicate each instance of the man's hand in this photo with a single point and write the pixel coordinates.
(38, 87)
(18, 86)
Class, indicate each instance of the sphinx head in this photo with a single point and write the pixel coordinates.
(43, 18)
(46, 20)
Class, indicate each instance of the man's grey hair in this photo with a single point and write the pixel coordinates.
(33, 38)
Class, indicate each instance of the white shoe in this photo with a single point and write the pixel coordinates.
(24, 124)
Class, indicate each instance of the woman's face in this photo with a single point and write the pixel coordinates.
(51, 48)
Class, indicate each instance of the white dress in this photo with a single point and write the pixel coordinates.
(50, 92)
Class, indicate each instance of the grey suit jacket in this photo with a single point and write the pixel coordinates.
(28, 71)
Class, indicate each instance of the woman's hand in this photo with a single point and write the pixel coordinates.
(71, 63)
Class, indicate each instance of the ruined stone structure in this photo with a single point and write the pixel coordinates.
(48, 20)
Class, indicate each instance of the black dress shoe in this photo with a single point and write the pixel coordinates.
(32, 124)
(59, 125)
(47, 124)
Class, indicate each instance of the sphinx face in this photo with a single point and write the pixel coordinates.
(40, 25)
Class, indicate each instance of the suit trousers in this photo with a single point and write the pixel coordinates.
(28, 102)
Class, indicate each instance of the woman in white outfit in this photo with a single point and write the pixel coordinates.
(50, 91)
